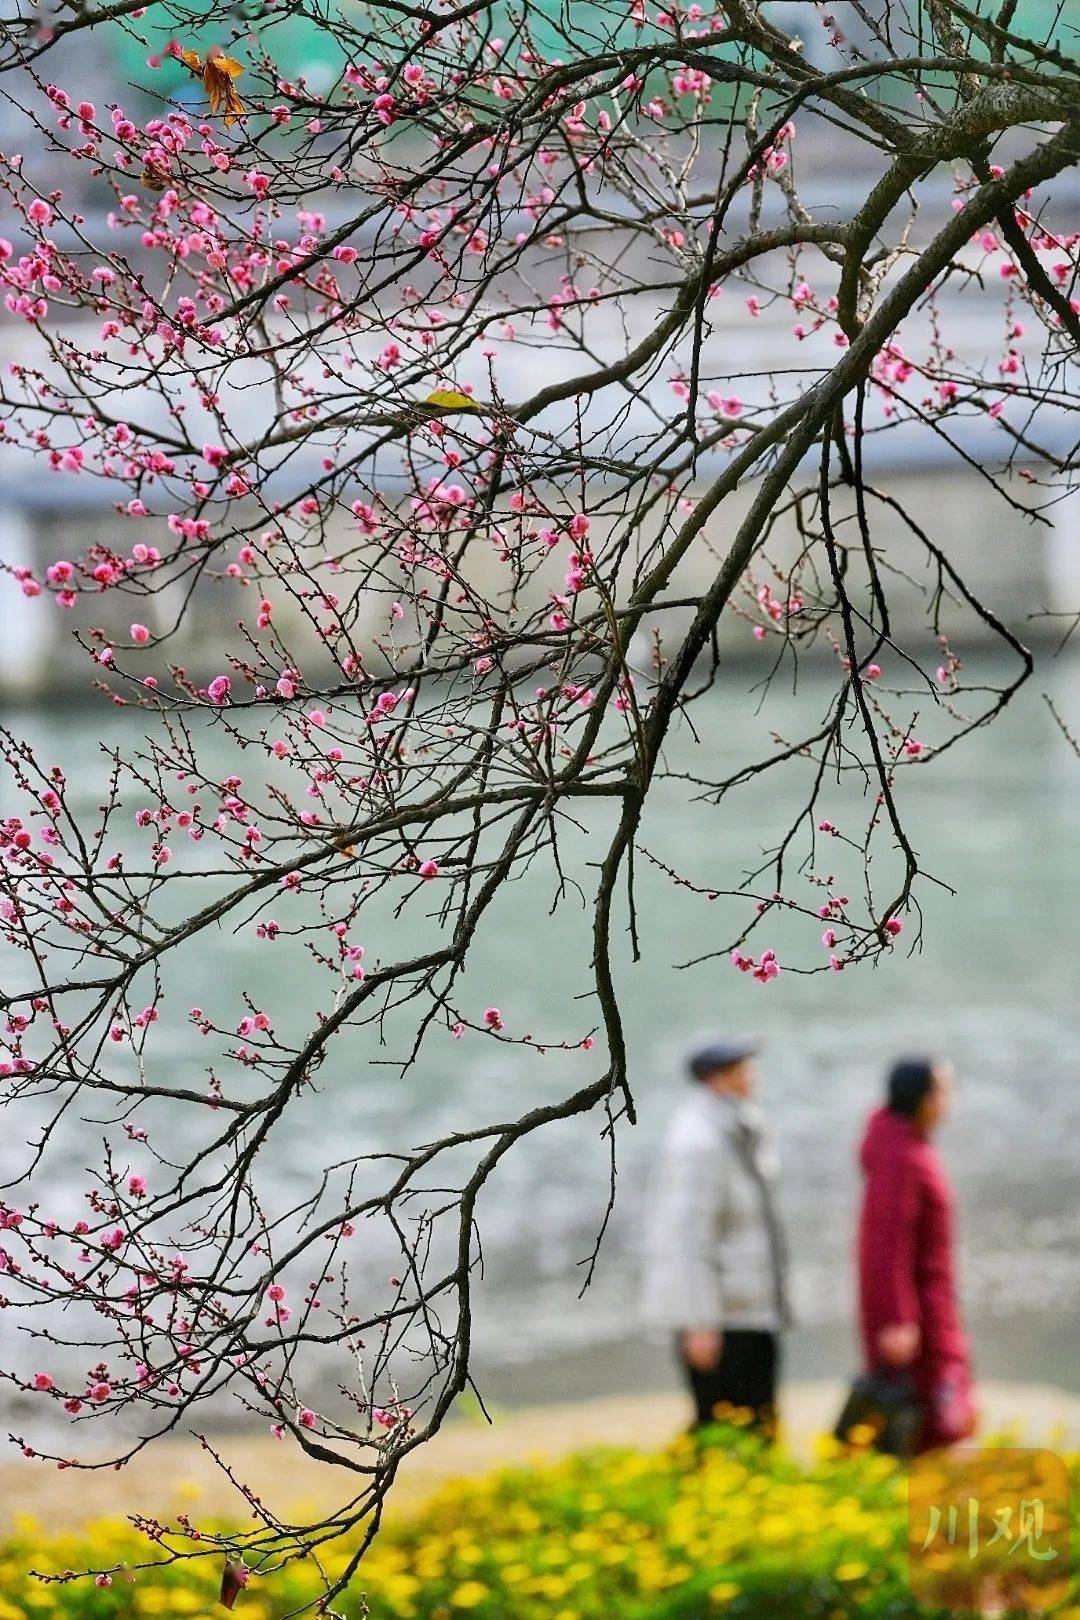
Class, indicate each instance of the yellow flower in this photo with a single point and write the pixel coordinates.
(402, 1586)
(154, 1599)
(586, 1541)
(850, 1572)
(468, 1595)
(183, 1601)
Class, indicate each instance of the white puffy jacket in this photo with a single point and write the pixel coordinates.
(715, 1254)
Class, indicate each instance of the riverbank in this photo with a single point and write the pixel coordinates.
(181, 1474)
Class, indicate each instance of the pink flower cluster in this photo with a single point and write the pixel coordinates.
(765, 968)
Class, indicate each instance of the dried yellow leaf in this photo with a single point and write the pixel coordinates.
(217, 74)
(227, 64)
(451, 400)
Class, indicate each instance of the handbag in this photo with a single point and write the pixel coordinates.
(953, 1412)
(882, 1411)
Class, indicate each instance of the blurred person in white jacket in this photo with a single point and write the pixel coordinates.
(716, 1261)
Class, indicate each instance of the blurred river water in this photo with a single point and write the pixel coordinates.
(993, 986)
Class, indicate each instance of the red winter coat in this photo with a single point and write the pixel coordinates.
(906, 1268)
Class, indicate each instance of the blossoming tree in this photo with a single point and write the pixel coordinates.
(426, 374)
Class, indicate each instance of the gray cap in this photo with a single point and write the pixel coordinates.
(721, 1054)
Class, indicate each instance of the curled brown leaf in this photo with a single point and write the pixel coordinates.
(217, 74)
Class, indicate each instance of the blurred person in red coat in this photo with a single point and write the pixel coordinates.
(908, 1309)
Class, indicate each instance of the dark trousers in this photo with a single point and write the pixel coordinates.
(744, 1380)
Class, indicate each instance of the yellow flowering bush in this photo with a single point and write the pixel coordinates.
(692, 1531)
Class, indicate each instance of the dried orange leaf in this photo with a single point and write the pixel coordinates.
(217, 76)
(228, 65)
(451, 400)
